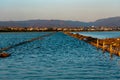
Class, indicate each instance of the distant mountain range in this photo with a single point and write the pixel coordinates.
(113, 21)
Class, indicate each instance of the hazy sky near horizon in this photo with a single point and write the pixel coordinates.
(77, 10)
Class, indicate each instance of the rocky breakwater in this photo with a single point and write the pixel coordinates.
(111, 45)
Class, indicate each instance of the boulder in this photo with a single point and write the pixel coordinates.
(4, 54)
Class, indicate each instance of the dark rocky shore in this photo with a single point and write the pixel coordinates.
(111, 45)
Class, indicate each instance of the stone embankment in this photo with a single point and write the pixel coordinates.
(111, 45)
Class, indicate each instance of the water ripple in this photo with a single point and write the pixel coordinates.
(58, 57)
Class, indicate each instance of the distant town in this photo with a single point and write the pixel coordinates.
(31, 29)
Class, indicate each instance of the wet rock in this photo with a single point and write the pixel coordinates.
(4, 55)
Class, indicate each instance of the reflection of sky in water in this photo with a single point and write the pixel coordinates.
(101, 35)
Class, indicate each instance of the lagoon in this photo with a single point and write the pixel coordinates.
(57, 57)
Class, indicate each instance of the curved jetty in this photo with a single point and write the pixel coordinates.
(3, 54)
(111, 45)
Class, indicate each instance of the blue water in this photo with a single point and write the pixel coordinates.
(57, 57)
(7, 39)
(101, 35)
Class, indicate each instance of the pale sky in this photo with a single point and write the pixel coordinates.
(76, 10)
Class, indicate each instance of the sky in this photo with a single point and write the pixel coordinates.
(76, 10)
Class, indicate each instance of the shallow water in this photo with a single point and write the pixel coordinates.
(101, 35)
(57, 57)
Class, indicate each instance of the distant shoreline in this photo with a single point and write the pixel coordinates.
(62, 31)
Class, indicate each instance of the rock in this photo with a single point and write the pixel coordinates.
(4, 54)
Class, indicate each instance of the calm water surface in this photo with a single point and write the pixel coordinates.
(101, 35)
(57, 57)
